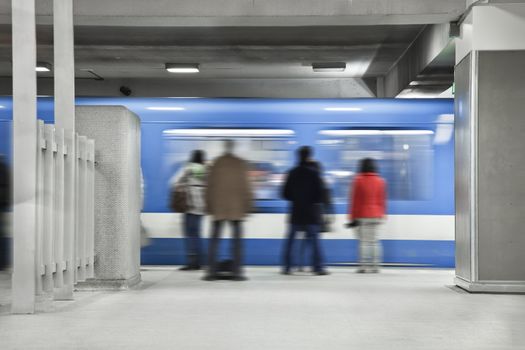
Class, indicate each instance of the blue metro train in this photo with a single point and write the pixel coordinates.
(412, 140)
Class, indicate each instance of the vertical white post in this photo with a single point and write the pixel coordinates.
(24, 155)
(64, 68)
(39, 254)
(69, 220)
(59, 210)
(81, 207)
(90, 203)
(64, 72)
(49, 208)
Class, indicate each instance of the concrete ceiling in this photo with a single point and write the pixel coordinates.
(236, 40)
(227, 52)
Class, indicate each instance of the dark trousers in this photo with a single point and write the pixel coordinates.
(236, 247)
(192, 233)
(4, 247)
(312, 237)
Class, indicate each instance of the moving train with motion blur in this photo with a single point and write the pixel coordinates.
(411, 139)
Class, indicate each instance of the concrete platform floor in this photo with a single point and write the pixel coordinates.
(397, 309)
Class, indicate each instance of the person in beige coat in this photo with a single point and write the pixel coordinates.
(228, 198)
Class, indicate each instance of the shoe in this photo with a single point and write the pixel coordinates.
(322, 273)
(286, 272)
(360, 271)
(239, 278)
(209, 278)
(185, 268)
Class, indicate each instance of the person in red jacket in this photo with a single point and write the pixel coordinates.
(367, 211)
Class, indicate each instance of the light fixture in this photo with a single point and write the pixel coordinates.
(166, 108)
(2, 107)
(329, 66)
(43, 67)
(229, 132)
(182, 67)
(367, 132)
(343, 109)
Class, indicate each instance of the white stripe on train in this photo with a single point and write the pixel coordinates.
(403, 227)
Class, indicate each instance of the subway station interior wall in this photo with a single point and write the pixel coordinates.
(492, 27)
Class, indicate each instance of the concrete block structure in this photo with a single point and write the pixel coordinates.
(117, 194)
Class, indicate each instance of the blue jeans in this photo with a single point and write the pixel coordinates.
(236, 246)
(192, 232)
(312, 235)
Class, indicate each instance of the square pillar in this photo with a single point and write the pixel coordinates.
(116, 132)
(490, 168)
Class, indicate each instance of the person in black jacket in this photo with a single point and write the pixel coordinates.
(305, 190)
(326, 213)
(5, 202)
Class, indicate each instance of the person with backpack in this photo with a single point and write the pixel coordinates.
(188, 197)
(366, 212)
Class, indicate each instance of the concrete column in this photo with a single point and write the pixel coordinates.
(24, 155)
(490, 70)
(64, 67)
(116, 132)
(64, 75)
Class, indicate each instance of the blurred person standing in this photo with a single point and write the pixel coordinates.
(327, 213)
(305, 190)
(192, 180)
(228, 198)
(5, 202)
(367, 211)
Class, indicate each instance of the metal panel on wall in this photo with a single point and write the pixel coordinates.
(463, 167)
(501, 166)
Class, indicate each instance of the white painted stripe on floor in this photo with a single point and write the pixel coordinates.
(409, 227)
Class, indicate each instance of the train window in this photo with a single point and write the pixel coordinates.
(268, 151)
(404, 157)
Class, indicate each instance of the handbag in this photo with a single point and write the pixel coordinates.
(179, 198)
(353, 224)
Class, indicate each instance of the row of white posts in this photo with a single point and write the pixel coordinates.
(65, 239)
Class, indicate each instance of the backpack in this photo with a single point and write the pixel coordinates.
(179, 198)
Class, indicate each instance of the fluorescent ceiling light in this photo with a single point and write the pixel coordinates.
(2, 107)
(343, 109)
(43, 67)
(329, 66)
(229, 132)
(182, 67)
(374, 132)
(166, 108)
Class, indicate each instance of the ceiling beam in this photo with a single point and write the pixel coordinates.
(431, 54)
(251, 12)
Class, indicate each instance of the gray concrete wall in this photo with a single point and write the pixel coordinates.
(501, 154)
(490, 168)
(116, 132)
(463, 178)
